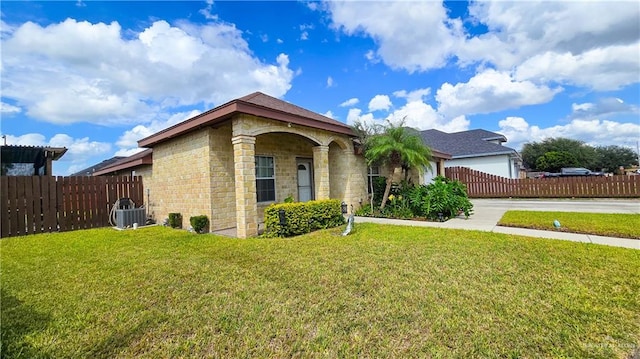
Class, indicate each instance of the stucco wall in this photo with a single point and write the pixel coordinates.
(499, 165)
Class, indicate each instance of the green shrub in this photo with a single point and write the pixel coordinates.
(443, 196)
(200, 224)
(302, 217)
(175, 220)
(364, 211)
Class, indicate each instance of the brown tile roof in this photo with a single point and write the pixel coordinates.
(260, 99)
(141, 158)
(257, 104)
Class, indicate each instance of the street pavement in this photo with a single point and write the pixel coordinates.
(487, 213)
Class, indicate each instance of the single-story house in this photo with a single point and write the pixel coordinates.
(233, 161)
(89, 171)
(478, 149)
(29, 160)
(138, 164)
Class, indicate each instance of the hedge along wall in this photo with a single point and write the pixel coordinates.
(302, 217)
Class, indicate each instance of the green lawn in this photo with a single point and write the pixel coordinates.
(603, 224)
(384, 291)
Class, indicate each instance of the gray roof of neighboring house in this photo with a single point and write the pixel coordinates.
(90, 170)
(472, 143)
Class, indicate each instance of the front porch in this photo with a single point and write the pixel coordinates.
(274, 161)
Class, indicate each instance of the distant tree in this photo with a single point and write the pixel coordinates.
(610, 158)
(553, 161)
(397, 147)
(584, 154)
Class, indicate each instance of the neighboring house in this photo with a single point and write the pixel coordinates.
(89, 171)
(134, 165)
(233, 161)
(480, 150)
(29, 160)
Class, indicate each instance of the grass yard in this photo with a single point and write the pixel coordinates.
(384, 291)
(602, 224)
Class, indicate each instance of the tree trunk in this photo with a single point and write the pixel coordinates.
(370, 179)
(387, 190)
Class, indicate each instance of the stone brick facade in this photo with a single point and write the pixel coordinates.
(211, 171)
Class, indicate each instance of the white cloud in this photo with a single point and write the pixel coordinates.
(279, 41)
(304, 35)
(7, 109)
(560, 27)
(264, 37)
(553, 41)
(129, 140)
(355, 115)
(604, 107)
(423, 116)
(350, 102)
(593, 132)
(490, 91)
(329, 81)
(415, 95)
(128, 152)
(416, 114)
(329, 114)
(380, 102)
(29, 139)
(206, 12)
(608, 68)
(58, 75)
(429, 44)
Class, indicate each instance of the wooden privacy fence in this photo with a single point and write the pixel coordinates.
(49, 204)
(480, 184)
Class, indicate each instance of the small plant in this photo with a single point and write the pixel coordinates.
(175, 220)
(200, 224)
(289, 199)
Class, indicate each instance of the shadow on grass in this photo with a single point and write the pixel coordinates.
(19, 320)
(111, 346)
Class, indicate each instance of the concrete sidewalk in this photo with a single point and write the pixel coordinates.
(487, 213)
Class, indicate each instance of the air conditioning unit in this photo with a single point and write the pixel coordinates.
(127, 217)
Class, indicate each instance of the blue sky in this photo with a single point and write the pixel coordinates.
(96, 77)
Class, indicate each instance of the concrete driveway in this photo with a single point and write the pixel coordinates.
(559, 205)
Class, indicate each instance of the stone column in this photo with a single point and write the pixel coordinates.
(321, 171)
(440, 171)
(245, 184)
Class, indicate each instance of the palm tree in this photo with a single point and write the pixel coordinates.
(396, 147)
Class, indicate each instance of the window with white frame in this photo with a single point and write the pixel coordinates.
(373, 172)
(265, 179)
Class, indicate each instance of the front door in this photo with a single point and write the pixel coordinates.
(305, 183)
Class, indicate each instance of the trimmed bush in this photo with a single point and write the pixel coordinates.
(302, 217)
(175, 220)
(200, 224)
